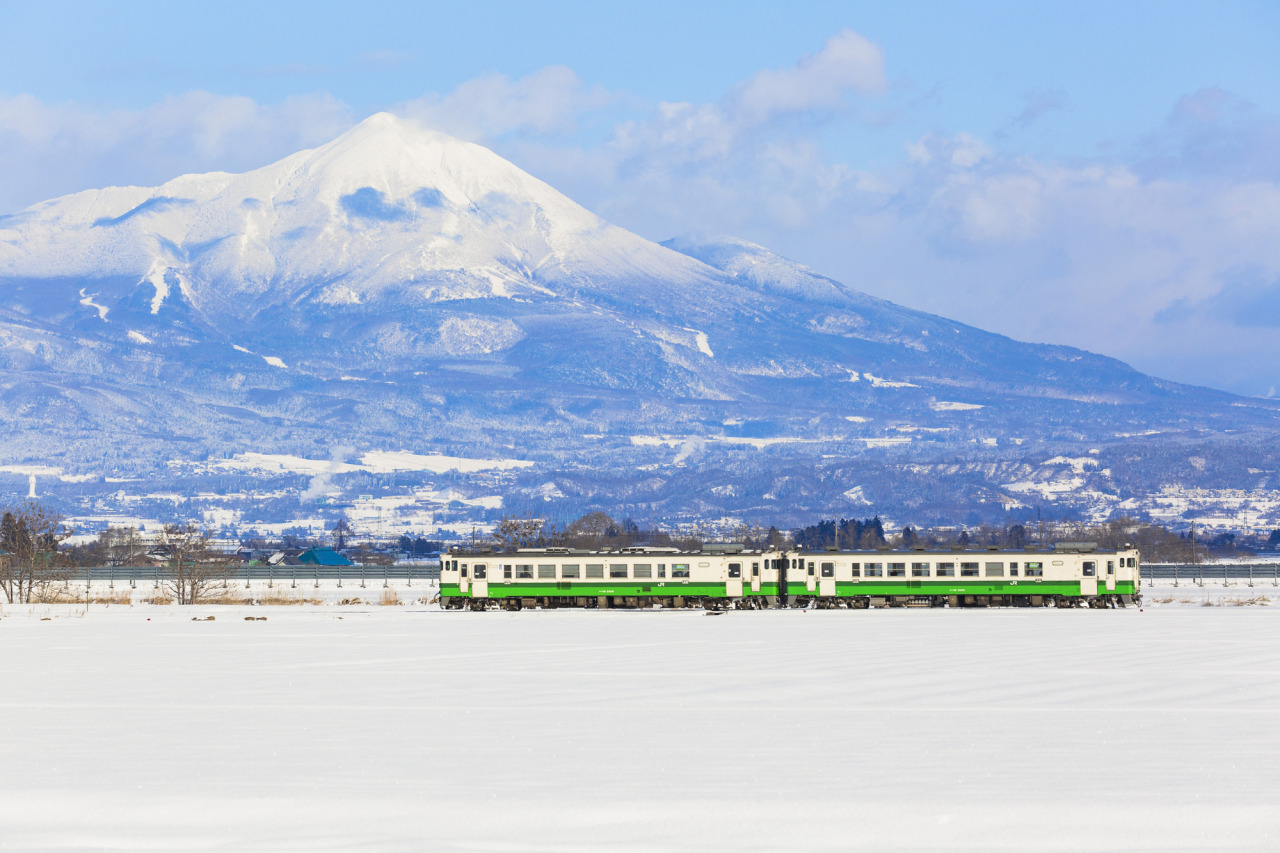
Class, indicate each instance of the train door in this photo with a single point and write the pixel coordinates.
(755, 577)
(810, 581)
(1089, 579)
(1111, 575)
(463, 580)
(480, 581)
(733, 586)
(780, 565)
(827, 579)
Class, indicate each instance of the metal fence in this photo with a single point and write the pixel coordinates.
(407, 573)
(1221, 573)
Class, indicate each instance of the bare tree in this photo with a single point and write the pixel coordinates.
(191, 567)
(592, 530)
(341, 532)
(30, 535)
(123, 546)
(512, 533)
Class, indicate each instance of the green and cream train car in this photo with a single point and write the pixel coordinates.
(722, 577)
(714, 578)
(1072, 574)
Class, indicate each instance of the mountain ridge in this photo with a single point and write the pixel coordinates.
(399, 287)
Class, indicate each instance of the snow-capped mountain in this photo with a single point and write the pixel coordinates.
(398, 288)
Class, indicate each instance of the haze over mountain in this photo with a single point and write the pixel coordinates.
(398, 289)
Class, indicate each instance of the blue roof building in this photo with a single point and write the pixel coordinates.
(323, 557)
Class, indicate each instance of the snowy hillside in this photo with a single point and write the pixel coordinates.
(398, 289)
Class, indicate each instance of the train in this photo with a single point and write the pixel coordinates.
(724, 577)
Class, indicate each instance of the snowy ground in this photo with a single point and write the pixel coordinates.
(408, 728)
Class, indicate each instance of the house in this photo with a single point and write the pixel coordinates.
(322, 557)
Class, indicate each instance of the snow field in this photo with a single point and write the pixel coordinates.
(408, 728)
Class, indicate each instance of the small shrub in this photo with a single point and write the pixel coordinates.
(389, 598)
(119, 596)
(280, 597)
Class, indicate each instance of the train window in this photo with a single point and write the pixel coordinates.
(995, 570)
(595, 570)
(546, 572)
(662, 570)
(506, 572)
(875, 570)
(968, 570)
(1034, 570)
(919, 570)
(1013, 566)
(464, 570)
(568, 572)
(897, 570)
(735, 570)
(481, 571)
(857, 569)
(679, 570)
(617, 570)
(1013, 570)
(1090, 569)
(755, 570)
(828, 570)
(524, 571)
(1111, 568)
(1131, 563)
(811, 570)
(642, 570)
(946, 570)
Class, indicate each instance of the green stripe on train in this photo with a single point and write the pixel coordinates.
(844, 589)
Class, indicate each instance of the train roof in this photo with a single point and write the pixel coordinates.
(712, 549)
(1058, 548)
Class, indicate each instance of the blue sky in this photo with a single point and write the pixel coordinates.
(1005, 164)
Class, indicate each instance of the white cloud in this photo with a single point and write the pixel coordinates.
(548, 101)
(848, 62)
(48, 150)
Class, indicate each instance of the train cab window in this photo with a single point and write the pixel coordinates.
(919, 570)
(811, 570)
(897, 570)
(875, 570)
(1111, 567)
(506, 572)
(755, 570)
(464, 570)
(995, 570)
(662, 570)
(481, 571)
(642, 570)
(1090, 569)
(546, 572)
(595, 570)
(946, 570)
(828, 570)
(568, 572)
(524, 571)
(735, 570)
(968, 570)
(1034, 570)
(857, 569)
(1132, 564)
(617, 570)
(679, 570)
